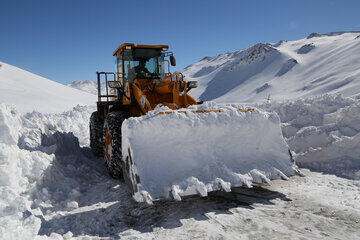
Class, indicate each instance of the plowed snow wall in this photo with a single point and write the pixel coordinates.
(168, 150)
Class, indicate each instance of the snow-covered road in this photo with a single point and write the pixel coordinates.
(313, 207)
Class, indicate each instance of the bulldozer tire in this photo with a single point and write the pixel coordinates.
(96, 135)
(112, 147)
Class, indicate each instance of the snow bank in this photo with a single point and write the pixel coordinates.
(193, 153)
(324, 132)
(29, 145)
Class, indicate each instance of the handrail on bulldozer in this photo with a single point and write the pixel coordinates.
(178, 75)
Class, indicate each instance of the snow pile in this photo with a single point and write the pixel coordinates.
(324, 132)
(320, 64)
(27, 92)
(16, 220)
(29, 145)
(217, 150)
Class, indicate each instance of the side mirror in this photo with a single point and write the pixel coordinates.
(172, 60)
(192, 84)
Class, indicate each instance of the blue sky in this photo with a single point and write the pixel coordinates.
(71, 40)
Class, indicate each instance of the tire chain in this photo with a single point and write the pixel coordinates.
(113, 122)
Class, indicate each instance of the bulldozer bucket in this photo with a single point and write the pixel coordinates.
(201, 149)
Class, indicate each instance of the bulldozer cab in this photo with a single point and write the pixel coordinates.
(143, 63)
(140, 62)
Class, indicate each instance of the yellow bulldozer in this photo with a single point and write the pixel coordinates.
(165, 144)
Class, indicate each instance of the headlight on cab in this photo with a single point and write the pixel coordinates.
(114, 84)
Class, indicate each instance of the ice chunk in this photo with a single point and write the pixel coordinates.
(225, 186)
(72, 204)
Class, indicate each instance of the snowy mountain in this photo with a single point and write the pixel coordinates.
(88, 86)
(321, 63)
(29, 92)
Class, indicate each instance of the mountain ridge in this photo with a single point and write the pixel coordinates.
(325, 63)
